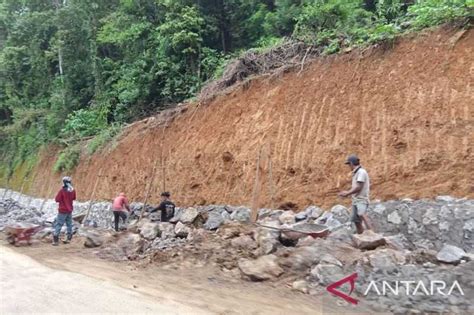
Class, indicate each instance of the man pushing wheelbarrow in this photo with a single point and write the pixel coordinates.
(65, 197)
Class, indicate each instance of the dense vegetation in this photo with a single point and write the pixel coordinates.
(78, 69)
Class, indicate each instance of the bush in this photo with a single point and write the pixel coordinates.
(67, 159)
(102, 138)
(426, 13)
(332, 24)
(84, 123)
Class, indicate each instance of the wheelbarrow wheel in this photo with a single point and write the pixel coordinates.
(11, 239)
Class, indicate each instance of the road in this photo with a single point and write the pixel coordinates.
(28, 287)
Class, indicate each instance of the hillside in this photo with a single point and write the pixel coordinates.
(405, 109)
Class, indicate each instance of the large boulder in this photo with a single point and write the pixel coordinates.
(287, 217)
(189, 215)
(368, 240)
(131, 244)
(197, 235)
(386, 259)
(214, 220)
(177, 215)
(241, 214)
(450, 254)
(314, 212)
(302, 258)
(397, 242)
(340, 213)
(93, 239)
(262, 268)
(166, 230)
(267, 239)
(181, 230)
(343, 234)
(149, 230)
(326, 273)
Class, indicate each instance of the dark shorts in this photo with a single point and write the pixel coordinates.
(358, 209)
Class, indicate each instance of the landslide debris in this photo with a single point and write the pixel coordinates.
(416, 240)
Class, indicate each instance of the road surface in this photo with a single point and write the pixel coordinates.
(28, 287)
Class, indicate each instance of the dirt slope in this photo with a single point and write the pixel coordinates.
(407, 110)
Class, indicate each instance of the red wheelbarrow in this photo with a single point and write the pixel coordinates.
(21, 232)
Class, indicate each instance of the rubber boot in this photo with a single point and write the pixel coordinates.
(68, 239)
(55, 240)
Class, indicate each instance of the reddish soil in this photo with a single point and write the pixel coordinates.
(407, 110)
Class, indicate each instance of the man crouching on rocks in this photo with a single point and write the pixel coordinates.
(360, 194)
(64, 197)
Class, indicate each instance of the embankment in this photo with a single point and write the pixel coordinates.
(405, 109)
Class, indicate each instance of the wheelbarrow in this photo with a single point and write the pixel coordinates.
(300, 230)
(21, 232)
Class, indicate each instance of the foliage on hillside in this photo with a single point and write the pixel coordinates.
(77, 69)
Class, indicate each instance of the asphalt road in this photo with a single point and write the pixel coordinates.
(28, 287)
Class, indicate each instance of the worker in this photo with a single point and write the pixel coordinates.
(65, 197)
(166, 207)
(119, 208)
(360, 194)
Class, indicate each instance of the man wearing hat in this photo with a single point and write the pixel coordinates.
(65, 197)
(166, 207)
(359, 192)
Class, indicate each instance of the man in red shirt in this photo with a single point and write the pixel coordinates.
(119, 207)
(65, 198)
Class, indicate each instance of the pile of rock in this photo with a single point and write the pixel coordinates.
(12, 212)
(417, 240)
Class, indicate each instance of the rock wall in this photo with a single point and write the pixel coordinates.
(428, 223)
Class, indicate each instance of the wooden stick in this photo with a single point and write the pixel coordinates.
(21, 188)
(6, 189)
(163, 168)
(148, 190)
(31, 182)
(256, 190)
(272, 190)
(91, 198)
(44, 200)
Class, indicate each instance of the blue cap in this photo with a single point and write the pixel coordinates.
(352, 159)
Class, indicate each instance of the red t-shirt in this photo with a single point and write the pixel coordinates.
(120, 203)
(65, 199)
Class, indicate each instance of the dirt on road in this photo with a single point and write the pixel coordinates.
(70, 275)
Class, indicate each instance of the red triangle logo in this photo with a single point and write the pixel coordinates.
(351, 279)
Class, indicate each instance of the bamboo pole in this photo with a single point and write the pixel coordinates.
(31, 182)
(148, 190)
(46, 198)
(271, 185)
(21, 188)
(256, 190)
(6, 189)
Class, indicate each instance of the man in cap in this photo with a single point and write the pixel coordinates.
(119, 208)
(65, 197)
(360, 194)
(166, 207)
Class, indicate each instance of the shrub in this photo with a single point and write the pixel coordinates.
(84, 122)
(67, 159)
(102, 138)
(426, 13)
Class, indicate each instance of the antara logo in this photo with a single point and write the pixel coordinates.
(434, 287)
(351, 279)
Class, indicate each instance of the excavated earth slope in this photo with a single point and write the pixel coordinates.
(406, 109)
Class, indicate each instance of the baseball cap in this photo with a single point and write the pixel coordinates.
(352, 159)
